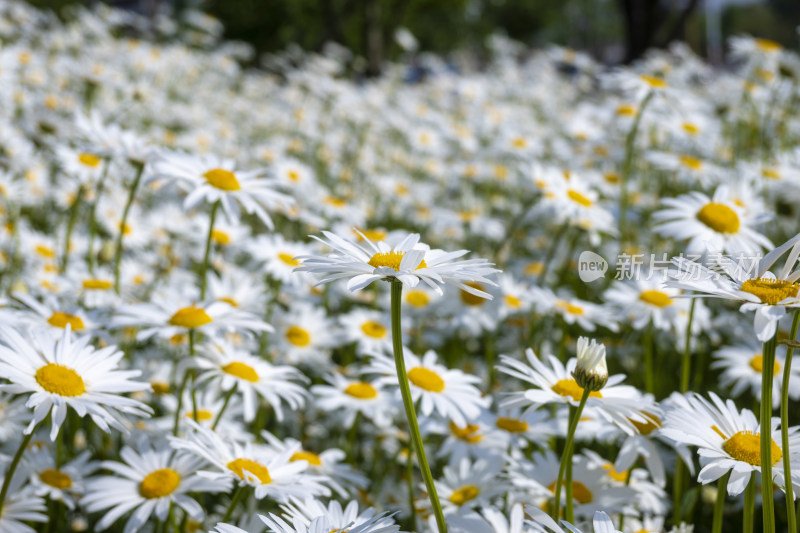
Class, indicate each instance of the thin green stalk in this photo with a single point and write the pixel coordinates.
(791, 517)
(237, 495)
(179, 408)
(93, 215)
(719, 504)
(225, 402)
(352, 435)
(570, 516)
(408, 404)
(630, 146)
(748, 517)
(680, 469)
(627, 484)
(73, 217)
(649, 378)
(551, 253)
(26, 439)
(193, 390)
(207, 256)
(767, 504)
(124, 223)
(410, 474)
(567, 455)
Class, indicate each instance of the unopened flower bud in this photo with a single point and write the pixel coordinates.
(591, 372)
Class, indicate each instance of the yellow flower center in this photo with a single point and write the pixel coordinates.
(719, 217)
(97, 284)
(288, 259)
(745, 446)
(578, 198)
(464, 494)
(770, 291)
(89, 160)
(513, 301)
(512, 425)
(652, 81)
(45, 251)
(159, 388)
(645, 428)
(60, 319)
(241, 465)
(626, 110)
(60, 379)
(293, 175)
(757, 364)
(426, 379)
(361, 390)
(391, 260)
(220, 237)
(222, 179)
(771, 173)
(519, 142)
(312, 458)
(230, 301)
(417, 298)
(190, 317)
(569, 387)
(373, 329)
(159, 483)
(371, 234)
(656, 298)
(298, 336)
(766, 45)
(203, 415)
(690, 162)
(613, 474)
(570, 308)
(467, 298)
(579, 492)
(56, 479)
(241, 371)
(690, 128)
(469, 433)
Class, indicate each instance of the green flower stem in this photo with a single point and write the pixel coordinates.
(569, 504)
(410, 474)
(408, 404)
(649, 378)
(791, 517)
(566, 457)
(237, 495)
(189, 373)
(749, 506)
(686, 363)
(630, 146)
(225, 402)
(101, 184)
(123, 224)
(767, 504)
(26, 439)
(207, 256)
(719, 504)
(73, 217)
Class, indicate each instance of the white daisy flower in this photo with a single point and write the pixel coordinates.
(409, 262)
(765, 293)
(68, 373)
(643, 300)
(555, 383)
(601, 523)
(742, 368)
(717, 224)
(349, 397)
(728, 440)
(307, 511)
(469, 485)
(64, 483)
(213, 179)
(148, 482)
(227, 366)
(273, 475)
(21, 505)
(450, 393)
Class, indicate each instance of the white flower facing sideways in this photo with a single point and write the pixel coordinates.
(410, 262)
(68, 372)
(768, 294)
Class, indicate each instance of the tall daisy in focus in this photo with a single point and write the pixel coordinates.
(404, 264)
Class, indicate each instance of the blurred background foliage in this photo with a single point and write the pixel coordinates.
(613, 31)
